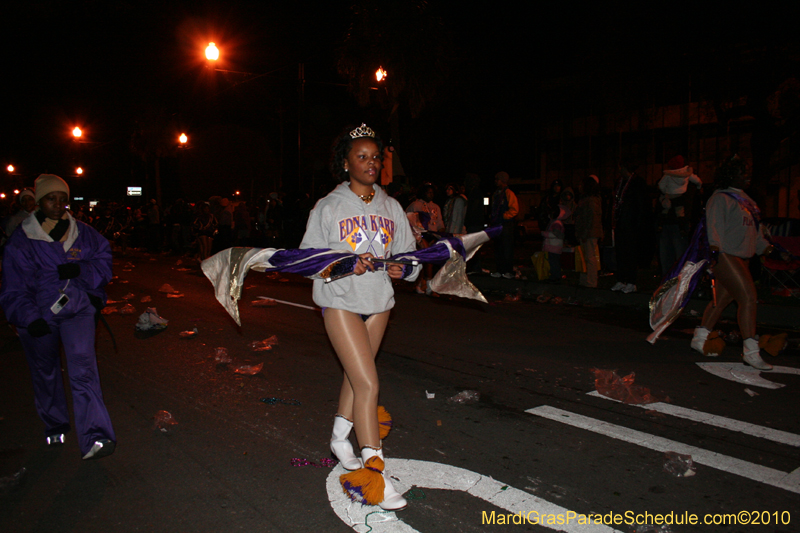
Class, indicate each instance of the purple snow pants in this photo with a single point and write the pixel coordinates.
(44, 359)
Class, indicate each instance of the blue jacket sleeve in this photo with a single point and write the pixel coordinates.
(18, 293)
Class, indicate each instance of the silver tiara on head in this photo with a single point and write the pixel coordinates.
(362, 131)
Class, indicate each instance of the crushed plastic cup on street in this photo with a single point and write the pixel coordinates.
(430, 395)
(167, 288)
(464, 397)
(149, 320)
(751, 393)
(249, 370)
(512, 297)
(164, 419)
(110, 310)
(679, 465)
(189, 334)
(146, 299)
(221, 356)
(127, 309)
(265, 302)
(265, 345)
(175, 295)
(610, 385)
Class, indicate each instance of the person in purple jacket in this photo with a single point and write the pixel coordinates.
(55, 271)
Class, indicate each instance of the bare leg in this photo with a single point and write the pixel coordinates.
(356, 344)
(732, 273)
(711, 314)
(376, 326)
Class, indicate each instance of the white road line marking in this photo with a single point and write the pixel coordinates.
(775, 435)
(409, 473)
(746, 374)
(763, 474)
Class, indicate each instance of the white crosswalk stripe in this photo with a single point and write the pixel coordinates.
(785, 480)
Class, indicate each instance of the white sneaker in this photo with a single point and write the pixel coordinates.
(509, 275)
(496, 274)
(629, 288)
(754, 359)
(101, 448)
(618, 286)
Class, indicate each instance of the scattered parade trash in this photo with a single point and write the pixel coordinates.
(183, 269)
(556, 300)
(175, 295)
(751, 393)
(464, 397)
(112, 302)
(146, 299)
(221, 356)
(188, 334)
(9, 483)
(110, 310)
(164, 419)
(543, 298)
(609, 384)
(430, 395)
(274, 401)
(679, 465)
(513, 297)
(124, 281)
(265, 345)
(127, 309)
(323, 463)
(167, 288)
(150, 322)
(249, 370)
(266, 302)
(179, 262)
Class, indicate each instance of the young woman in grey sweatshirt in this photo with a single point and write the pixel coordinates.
(359, 216)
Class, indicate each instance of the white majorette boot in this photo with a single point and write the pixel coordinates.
(370, 485)
(752, 355)
(341, 446)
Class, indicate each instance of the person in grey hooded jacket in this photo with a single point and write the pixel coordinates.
(359, 216)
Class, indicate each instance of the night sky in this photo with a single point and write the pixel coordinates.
(110, 65)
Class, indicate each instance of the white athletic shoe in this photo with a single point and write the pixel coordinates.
(629, 288)
(618, 286)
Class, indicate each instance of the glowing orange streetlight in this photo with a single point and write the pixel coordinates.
(237, 193)
(79, 171)
(16, 191)
(380, 74)
(2, 195)
(212, 52)
(183, 138)
(10, 168)
(77, 132)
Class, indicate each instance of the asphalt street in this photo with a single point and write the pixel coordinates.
(538, 439)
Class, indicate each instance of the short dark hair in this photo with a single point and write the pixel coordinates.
(729, 170)
(341, 147)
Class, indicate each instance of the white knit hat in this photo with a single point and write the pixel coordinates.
(47, 183)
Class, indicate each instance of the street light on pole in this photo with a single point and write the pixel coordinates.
(79, 171)
(77, 132)
(183, 139)
(212, 52)
(10, 169)
(380, 74)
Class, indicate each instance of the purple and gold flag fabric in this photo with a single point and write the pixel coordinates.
(227, 269)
